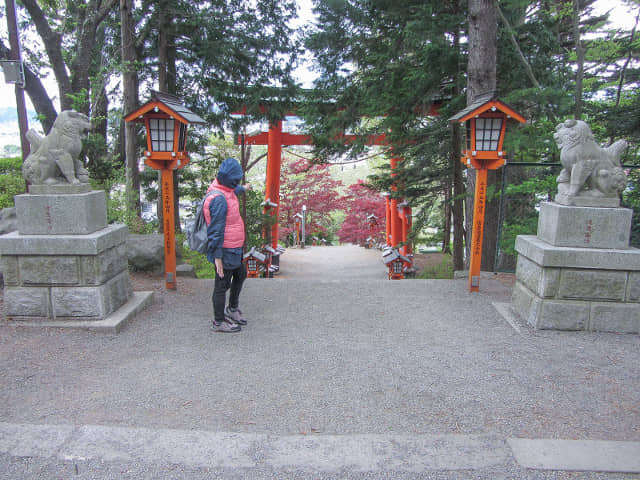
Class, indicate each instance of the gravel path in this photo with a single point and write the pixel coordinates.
(332, 348)
(333, 263)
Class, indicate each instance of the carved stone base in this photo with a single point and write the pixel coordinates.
(59, 189)
(65, 277)
(587, 201)
(569, 288)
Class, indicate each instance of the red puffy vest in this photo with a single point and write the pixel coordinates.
(234, 227)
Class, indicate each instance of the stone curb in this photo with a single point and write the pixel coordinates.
(318, 453)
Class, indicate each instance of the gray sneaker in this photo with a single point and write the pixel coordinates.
(225, 327)
(234, 315)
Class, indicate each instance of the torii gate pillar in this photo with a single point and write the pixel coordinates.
(272, 187)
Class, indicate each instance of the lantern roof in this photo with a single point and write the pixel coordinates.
(483, 104)
(167, 103)
(256, 254)
(391, 255)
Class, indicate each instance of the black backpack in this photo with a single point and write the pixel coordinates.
(197, 239)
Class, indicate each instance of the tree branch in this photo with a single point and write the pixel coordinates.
(37, 93)
(53, 46)
(514, 42)
(252, 164)
(626, 63)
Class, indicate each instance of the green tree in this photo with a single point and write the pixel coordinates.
(388, 63)
(11, 180)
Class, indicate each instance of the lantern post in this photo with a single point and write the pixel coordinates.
(485, 121)
(166, 120)
(304, 222)
(297, 219)
(373, 223)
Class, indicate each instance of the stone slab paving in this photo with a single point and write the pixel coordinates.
(580, 455)
(336, 376)
(196, 448)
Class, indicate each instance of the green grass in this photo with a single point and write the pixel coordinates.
(202, 266)
(444, 271)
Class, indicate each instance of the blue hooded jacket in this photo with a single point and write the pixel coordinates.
(230, 175)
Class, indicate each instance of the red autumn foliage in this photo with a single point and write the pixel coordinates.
(360, 202)
(302, 183)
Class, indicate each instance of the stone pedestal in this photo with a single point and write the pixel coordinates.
(579, 272)
(51, 214)
(65, 265)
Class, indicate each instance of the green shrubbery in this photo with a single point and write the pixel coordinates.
(631, 199)
(203, 267)
(11, 181)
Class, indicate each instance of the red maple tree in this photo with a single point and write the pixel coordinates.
(360, 202)
(303, 183)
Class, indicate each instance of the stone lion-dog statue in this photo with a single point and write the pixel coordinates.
(588, 169)
(54, 159)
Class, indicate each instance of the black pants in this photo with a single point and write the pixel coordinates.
(232, 279)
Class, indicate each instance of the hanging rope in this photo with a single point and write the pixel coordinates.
(310, 160)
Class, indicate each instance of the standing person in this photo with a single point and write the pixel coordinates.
(225, 231)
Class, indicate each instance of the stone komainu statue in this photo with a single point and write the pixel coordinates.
(54, 159)
(588, 169)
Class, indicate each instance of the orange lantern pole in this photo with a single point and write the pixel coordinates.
(478, 229)
(486, 121)
(168, 219)
(166, 119)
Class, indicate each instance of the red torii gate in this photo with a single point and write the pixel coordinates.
(398, 223)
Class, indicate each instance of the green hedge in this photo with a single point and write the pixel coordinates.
(11, 180)
(11, 166)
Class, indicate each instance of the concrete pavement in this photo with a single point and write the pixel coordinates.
(339, 374)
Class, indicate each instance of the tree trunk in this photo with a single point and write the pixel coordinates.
(89, 20)
(130, 103)
(40, 100)
(483, 48)
(627, 61)
(446, 237)
(579, 59)
(481, 80)
(458, 200)
(458, 180)
(162, 87)
(163, 52)
(166, 64)
(76, 78)
(53, 45)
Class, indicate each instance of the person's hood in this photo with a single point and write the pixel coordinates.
(230, 173)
